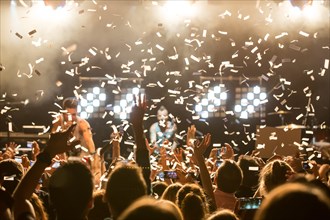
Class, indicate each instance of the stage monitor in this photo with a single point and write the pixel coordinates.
(270, 141)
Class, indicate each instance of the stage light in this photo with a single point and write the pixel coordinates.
(210, 108)
(213, 102)
(256, 90)
(179, 8)
(238, 108)
(217, 102)
(263, 96)
(244, 115)
(198, 108)
(83, 115)
(256, 102)
(92, 102)
(250, 96)
(223, 96)
(117, 109)
(96, 103)
(248, 102)
(123, 116)
(51, 11)
(244, 102)
(96, 90)
(205, 102)
(89, 109)
(135, 91)
(250, 109)
(129, 97)
(102, 97)
(90, 96)
(204, 114)
(83, 103)
(124, 102)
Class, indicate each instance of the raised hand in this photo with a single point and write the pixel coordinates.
(227, 152)
(138, 110)
(61, 142)
(200, 147)
(191, 135)
(35, 150)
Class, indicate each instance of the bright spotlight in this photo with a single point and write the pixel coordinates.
(248, 102)
(90, 96)
(244, 115)
(238, 108)
(263, 96)
(102, 97)
(256, 90)
(135, 91)
(213, 102)
(217, 102)
(96, 103)
(244, 102)
(256, 102)
(250, 96)
(217, 89)
(123, 103)
(205, 102)
(205, 114)
(198, 108)
(83, 115)
(83, 102)
(223, 96)
(89, 109)
(129, 97)
(96, 90)
(250, 109)
(123, 116)
(210, 108)
(210, 95)
(116, 109)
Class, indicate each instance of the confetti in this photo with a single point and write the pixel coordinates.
(32, 32)
(18, 35)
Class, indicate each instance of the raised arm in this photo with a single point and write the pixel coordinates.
(85, 129)
(142, 153)
(57, 144)
(199, 150)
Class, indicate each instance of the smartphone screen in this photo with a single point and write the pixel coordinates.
(18, 159)
(56, 164)
(170, 174)
(29, 144)
(249, 203)
(218, 163)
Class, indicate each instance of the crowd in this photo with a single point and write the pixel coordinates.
(174, 183)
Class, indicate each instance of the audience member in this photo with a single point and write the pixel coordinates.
(272, 175)
(228, 179)
(294, 201)
(250, 169)
(11, 172)
(158, 188)
(224, 214)
(100, 209)
(192, 202)
(125, 185)
(171, 191)
(149, 209)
